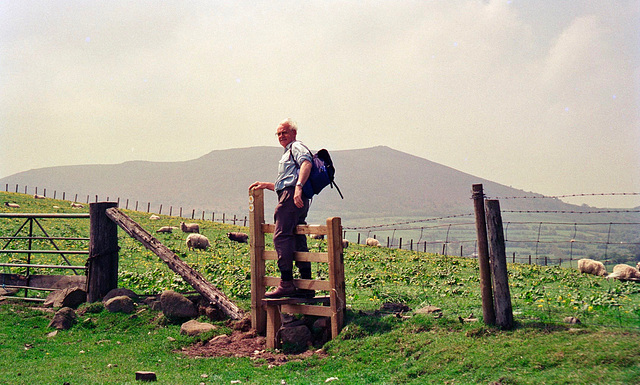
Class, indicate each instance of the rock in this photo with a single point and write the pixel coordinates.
(153, 303)
(220, 340)
(572, 320)
(394, 307)
(177, 307)
(145, 376)
(64, 319)
(321, 331)
(120, 304)
(70, 297)
(295, 339)
(119, 292)
(428, 310)
(193, 328)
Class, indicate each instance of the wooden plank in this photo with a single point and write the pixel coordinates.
(308, 284)
(195, 279)
(320, 311)
(270, 228)
(272, 255)
(292, 300)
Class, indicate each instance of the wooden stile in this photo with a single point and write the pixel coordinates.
(265, 313)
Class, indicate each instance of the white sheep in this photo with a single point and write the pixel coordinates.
(623, 271)
(373, 242)
(12, 205)
(154, 217)
(166, 229)
(590, 266)
(189, 227)
(197, 241)
(316, 236)
(37, 196)
(76, 205)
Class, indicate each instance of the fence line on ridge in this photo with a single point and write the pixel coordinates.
(235, 219)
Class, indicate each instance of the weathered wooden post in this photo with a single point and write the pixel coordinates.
(503, 309)
(335, 256)
(256, 245)
(488, 310)
(102, 265)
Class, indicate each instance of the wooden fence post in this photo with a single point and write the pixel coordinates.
(488, 310)
(102, 265)
(503, 309)
(256, 246)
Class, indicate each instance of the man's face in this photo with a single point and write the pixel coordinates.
(285, 135)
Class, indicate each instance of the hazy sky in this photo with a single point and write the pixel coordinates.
(541, 95)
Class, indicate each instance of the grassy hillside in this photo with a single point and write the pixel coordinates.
(375, 347)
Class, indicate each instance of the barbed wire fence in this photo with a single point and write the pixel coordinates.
(530, 241)
(533, 241)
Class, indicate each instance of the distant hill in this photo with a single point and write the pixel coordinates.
(377, 183)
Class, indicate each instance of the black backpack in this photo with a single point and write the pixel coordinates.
(322, 173)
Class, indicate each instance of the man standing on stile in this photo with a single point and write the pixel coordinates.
(291, 210)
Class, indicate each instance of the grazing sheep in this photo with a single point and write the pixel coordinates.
(238, 237)
(166, 229)
(154, 217)
(589, 266)
(76, 205)
(36, 196)
(189, 227)
(373, 242)
(197, 241)
(623, 271)
(345, 243)
(12, 205)
(316, 236)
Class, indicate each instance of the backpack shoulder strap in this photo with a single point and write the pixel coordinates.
(294, 159)
(337, 188)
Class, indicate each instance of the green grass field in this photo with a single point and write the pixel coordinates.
(373, 348)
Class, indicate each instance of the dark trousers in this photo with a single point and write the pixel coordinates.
(287, 216)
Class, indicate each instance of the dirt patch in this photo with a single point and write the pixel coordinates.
(244, 342)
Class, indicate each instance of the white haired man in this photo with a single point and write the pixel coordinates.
(291, 210)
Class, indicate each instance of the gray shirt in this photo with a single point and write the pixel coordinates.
(287, 168)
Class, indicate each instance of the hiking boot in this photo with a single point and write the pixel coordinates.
(286, 289)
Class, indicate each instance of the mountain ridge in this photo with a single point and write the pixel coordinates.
(377, 182)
